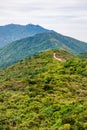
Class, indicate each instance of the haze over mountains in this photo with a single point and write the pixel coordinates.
(37, 39)
(13, 32)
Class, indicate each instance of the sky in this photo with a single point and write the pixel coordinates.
(68, 17)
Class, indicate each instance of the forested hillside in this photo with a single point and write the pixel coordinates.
(42, 93)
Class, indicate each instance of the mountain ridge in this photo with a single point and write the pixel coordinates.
(13, 32)
(20, 49)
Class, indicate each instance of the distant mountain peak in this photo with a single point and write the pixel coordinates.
(12, 24)
(13, 32)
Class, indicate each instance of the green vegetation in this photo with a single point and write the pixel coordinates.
(83, 55)
(42, 93)
(18, 50)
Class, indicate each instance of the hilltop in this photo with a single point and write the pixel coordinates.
(42, 93)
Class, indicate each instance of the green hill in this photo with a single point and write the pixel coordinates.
(42, 93)
(21, 49)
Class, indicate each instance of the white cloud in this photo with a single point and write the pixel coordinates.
(65, 16)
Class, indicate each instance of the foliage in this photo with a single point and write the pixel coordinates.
(41, 93)
(83, 55)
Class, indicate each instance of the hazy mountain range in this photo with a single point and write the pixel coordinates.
(39, 39)
(13, 32)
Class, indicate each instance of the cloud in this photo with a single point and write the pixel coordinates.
(65, 16)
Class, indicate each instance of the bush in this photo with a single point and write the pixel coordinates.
(69, 120)
(65, 127)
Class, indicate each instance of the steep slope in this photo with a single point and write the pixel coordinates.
(42, 93)
(21, 49)
(13, 32)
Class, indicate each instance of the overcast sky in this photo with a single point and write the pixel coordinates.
(68, 17)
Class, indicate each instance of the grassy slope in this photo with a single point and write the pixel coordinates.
(41, 93)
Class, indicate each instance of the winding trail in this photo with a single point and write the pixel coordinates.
(59, 59)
